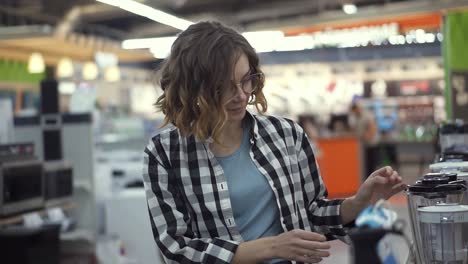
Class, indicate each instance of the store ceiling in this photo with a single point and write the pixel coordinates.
(95, 18)
(46, 24)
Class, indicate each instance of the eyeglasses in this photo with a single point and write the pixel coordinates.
(248, 84)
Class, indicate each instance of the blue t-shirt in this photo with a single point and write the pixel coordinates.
(253, 202)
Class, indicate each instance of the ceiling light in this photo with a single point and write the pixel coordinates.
(267, 41)
(295, 43)
(160, 52)
(65, 68)
(90, 71)
(105, 59)
(148, 43)
(149, 12)
(112, 74)
(36, 63)
(350, 9)
(264, 41)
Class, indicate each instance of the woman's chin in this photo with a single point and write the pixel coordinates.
(236, 114)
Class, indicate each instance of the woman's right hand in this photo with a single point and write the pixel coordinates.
(300, 245)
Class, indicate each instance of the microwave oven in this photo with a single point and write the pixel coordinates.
(21, 179)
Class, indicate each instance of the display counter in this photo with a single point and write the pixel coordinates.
(340, 162)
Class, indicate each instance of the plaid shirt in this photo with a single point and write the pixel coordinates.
(188, 197)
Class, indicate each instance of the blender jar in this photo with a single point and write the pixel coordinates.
(443, 239)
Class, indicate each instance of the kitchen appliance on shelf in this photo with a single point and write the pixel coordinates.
(28, 245)
(453, 140)
(58, 181)
(437, 196)
(453, 136)
(76, 145)
(21, 179)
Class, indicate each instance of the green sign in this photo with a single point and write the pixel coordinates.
(455, 52)
(14, 71)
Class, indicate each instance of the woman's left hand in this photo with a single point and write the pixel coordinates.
(381, 184)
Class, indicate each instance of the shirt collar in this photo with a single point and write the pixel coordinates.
(253, 130)
(254, 127)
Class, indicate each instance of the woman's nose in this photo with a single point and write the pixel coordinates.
(240, 94)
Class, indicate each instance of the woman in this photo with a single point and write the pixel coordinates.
(226, 186)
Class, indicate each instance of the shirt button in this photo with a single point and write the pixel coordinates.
(230, 221)
(222, 186)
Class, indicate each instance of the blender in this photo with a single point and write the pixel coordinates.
(434, 189)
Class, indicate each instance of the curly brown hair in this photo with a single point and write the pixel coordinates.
(197, 72)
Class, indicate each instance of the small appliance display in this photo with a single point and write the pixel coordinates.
(21, 179)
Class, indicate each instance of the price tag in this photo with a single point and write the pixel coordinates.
(32, 220)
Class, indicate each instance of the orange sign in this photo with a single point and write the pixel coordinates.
(428, 21)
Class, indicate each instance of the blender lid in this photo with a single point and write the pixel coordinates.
(439, 188)
(450, 176)
(435, 181)
(444, 214)
(440, 182)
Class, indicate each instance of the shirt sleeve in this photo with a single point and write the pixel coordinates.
(324, 213)
(171, 223)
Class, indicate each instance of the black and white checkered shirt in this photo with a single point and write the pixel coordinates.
(188, 197)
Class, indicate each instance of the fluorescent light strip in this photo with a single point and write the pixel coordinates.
(263, 41)
(350, 9)
(160, 47)
(149, 12)
(148, 43)
(267, 41)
